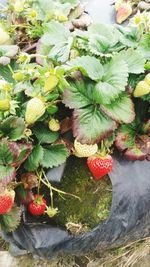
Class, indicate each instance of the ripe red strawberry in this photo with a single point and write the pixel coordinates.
(6, 201)
(37, 206)
(100, 166)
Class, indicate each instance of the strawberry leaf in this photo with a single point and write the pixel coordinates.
(9, 50)
(10, 221)
(116, 74)
(7, 174)
(90, 125)
(78, 94)
(13, 127)
(6, 73)
(6, 156)
(104, 93)
(102, 38)
(120, 110)
(59, 39)
(33, 161)
(89, 66)
(134, 59)
(144, 46)
(54, 155)
(44, 135)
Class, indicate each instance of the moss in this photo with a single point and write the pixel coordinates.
(96, 196)
(3, 244)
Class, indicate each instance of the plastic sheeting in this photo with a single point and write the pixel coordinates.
(129, 218)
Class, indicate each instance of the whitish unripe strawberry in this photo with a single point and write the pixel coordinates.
(84, 150)
(4, 104)
(18, 6)
(147, 79)
(141, 89)
(54, 125)
(4, 37)
(34, 110)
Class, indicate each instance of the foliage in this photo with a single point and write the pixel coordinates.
(84, 80)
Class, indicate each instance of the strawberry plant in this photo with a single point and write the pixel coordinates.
(60, 73)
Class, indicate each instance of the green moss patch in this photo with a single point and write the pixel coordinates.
(96, 196)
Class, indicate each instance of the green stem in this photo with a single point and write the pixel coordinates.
(51, 191)
(11, 70)
(40, 178)
(37, 55)
(57, 190)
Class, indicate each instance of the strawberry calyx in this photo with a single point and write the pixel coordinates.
(103, 151)
(38, 199)
(51, 212)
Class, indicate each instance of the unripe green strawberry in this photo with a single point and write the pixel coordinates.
(34, 110)
(50, 83)
(147, 79)
(141, 89)
(147, 65)
(62, 18)
(84, 150)
(54, 125)
(52, 109)
(74, 53)
(18, 76)
(4, 104)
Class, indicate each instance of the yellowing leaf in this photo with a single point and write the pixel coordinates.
(50, 83)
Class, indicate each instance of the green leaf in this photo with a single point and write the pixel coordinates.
(116, 74)
(44, 135)
(6, 73)
(104, 93)
(7, 174)
(9, 50)
(90, 125)
(144, 46)
(79, 94)
(54, 155)
(10, 221)
(55, 32)
(129, 36)
(13, 127)
(6, 156)
(72, 2)
(59, 39)
(121, 110)
(43, 7)
(105, 30)
(102, 38)
(113, 81)
(34, 159)
(89, 66)
(133, 59)
(61, 50)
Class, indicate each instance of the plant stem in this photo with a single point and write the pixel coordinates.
(10, 69)
(57, 190)
(51, 191)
